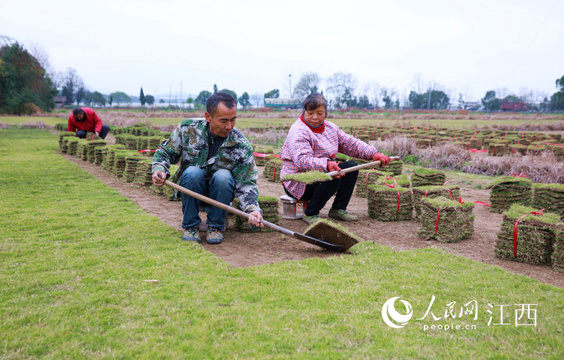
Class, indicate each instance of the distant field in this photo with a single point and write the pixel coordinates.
(404, 120)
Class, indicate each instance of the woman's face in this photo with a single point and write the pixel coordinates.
(315, 117)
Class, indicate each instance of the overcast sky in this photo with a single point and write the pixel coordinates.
(466, 47)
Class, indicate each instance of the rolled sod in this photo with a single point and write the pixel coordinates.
(549, 197)
(509, 190)
(272, 169)
(332, 233)
(450, 192)
(536, 235)
(427, 177)
(445, 220)
(308, 177)
(390, 204)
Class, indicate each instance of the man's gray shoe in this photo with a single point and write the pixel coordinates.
(342, 215)
(214, 236)
(310, 219)
(192, 234)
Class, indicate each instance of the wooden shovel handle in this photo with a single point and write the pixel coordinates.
(361, 166)
(227, 208)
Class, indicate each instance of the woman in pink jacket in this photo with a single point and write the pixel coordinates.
(312, 144)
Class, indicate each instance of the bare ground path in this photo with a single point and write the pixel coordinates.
(250, 249)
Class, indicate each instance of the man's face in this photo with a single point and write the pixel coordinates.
(223, 121)
(79, 117)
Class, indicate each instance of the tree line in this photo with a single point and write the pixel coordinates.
(26, 84)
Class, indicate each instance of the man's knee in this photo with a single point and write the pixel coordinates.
(192, 174)
(347, 164)
(222, 178)
(81, 134)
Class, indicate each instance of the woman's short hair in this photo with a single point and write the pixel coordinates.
(313, 101)
(214, 100)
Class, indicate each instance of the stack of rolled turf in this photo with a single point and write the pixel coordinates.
(549, 197)
(272, 169)
(389, 204)
(166, 190)
(368, 177)
(99, 155)
(451, 192)
(108, 162)
(63, 136)
(82, 150)
(260, 156)
(143, 173)
(558, 253)
(269, 207)
(475, 143)
(72, 145)
(535, 235)
(496, 149)
(64, 145)
(446, 220)
(395, 167)
(90, 149)
(558, 151)
(120, 161)
(131, 167)
(509, 190)
(153, 143)
(427, 177)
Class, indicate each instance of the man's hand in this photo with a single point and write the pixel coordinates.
(384, 160)
(159, 178)
(255, 219)
(334, 166)
(97, 133)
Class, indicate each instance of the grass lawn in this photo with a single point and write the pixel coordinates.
(75, 254)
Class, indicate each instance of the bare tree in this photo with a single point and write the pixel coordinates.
(256, 98)
(339, 84)
(308, 84)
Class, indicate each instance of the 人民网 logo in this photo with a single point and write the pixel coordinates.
(392, 317)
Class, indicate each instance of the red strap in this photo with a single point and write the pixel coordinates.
(397, 211)
(425, 193)
(437, 226)
(495, 148)
(146, 150)
(481, 203)
(275, 172)
(460, 200)
(390, 185)
(520, 175)
(260, 155)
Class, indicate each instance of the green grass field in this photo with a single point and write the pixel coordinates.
(75, 255)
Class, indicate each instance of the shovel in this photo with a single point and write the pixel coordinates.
(361, 166)
(338, 241)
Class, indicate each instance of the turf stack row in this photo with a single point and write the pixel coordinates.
(389, 204)
(509, 190)
(445, 220)
(558, 254)
(549, 197)
(272, 169)
(269, 207)
(427, 177)
(535, 235)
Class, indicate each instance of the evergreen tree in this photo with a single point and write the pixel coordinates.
(142, 97)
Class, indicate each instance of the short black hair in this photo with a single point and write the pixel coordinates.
(214, 100)
(77, 111)
(313, 101)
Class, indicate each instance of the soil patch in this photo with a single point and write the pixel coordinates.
(249, 249)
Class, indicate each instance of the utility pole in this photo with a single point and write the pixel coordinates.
(181, 92)
(290, 77)
(169, 94)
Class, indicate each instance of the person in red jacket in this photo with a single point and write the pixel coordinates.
(84, 120)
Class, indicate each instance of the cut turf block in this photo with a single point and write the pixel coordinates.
(390, 204)
(427, 177)
(272, 169)
(536, 235)
(445, 220)
(308, 177)
(332, 233)
(269, 206)
(451, 192)
(558, 253)
(549, 197)
(509, 190)
(366, 178)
